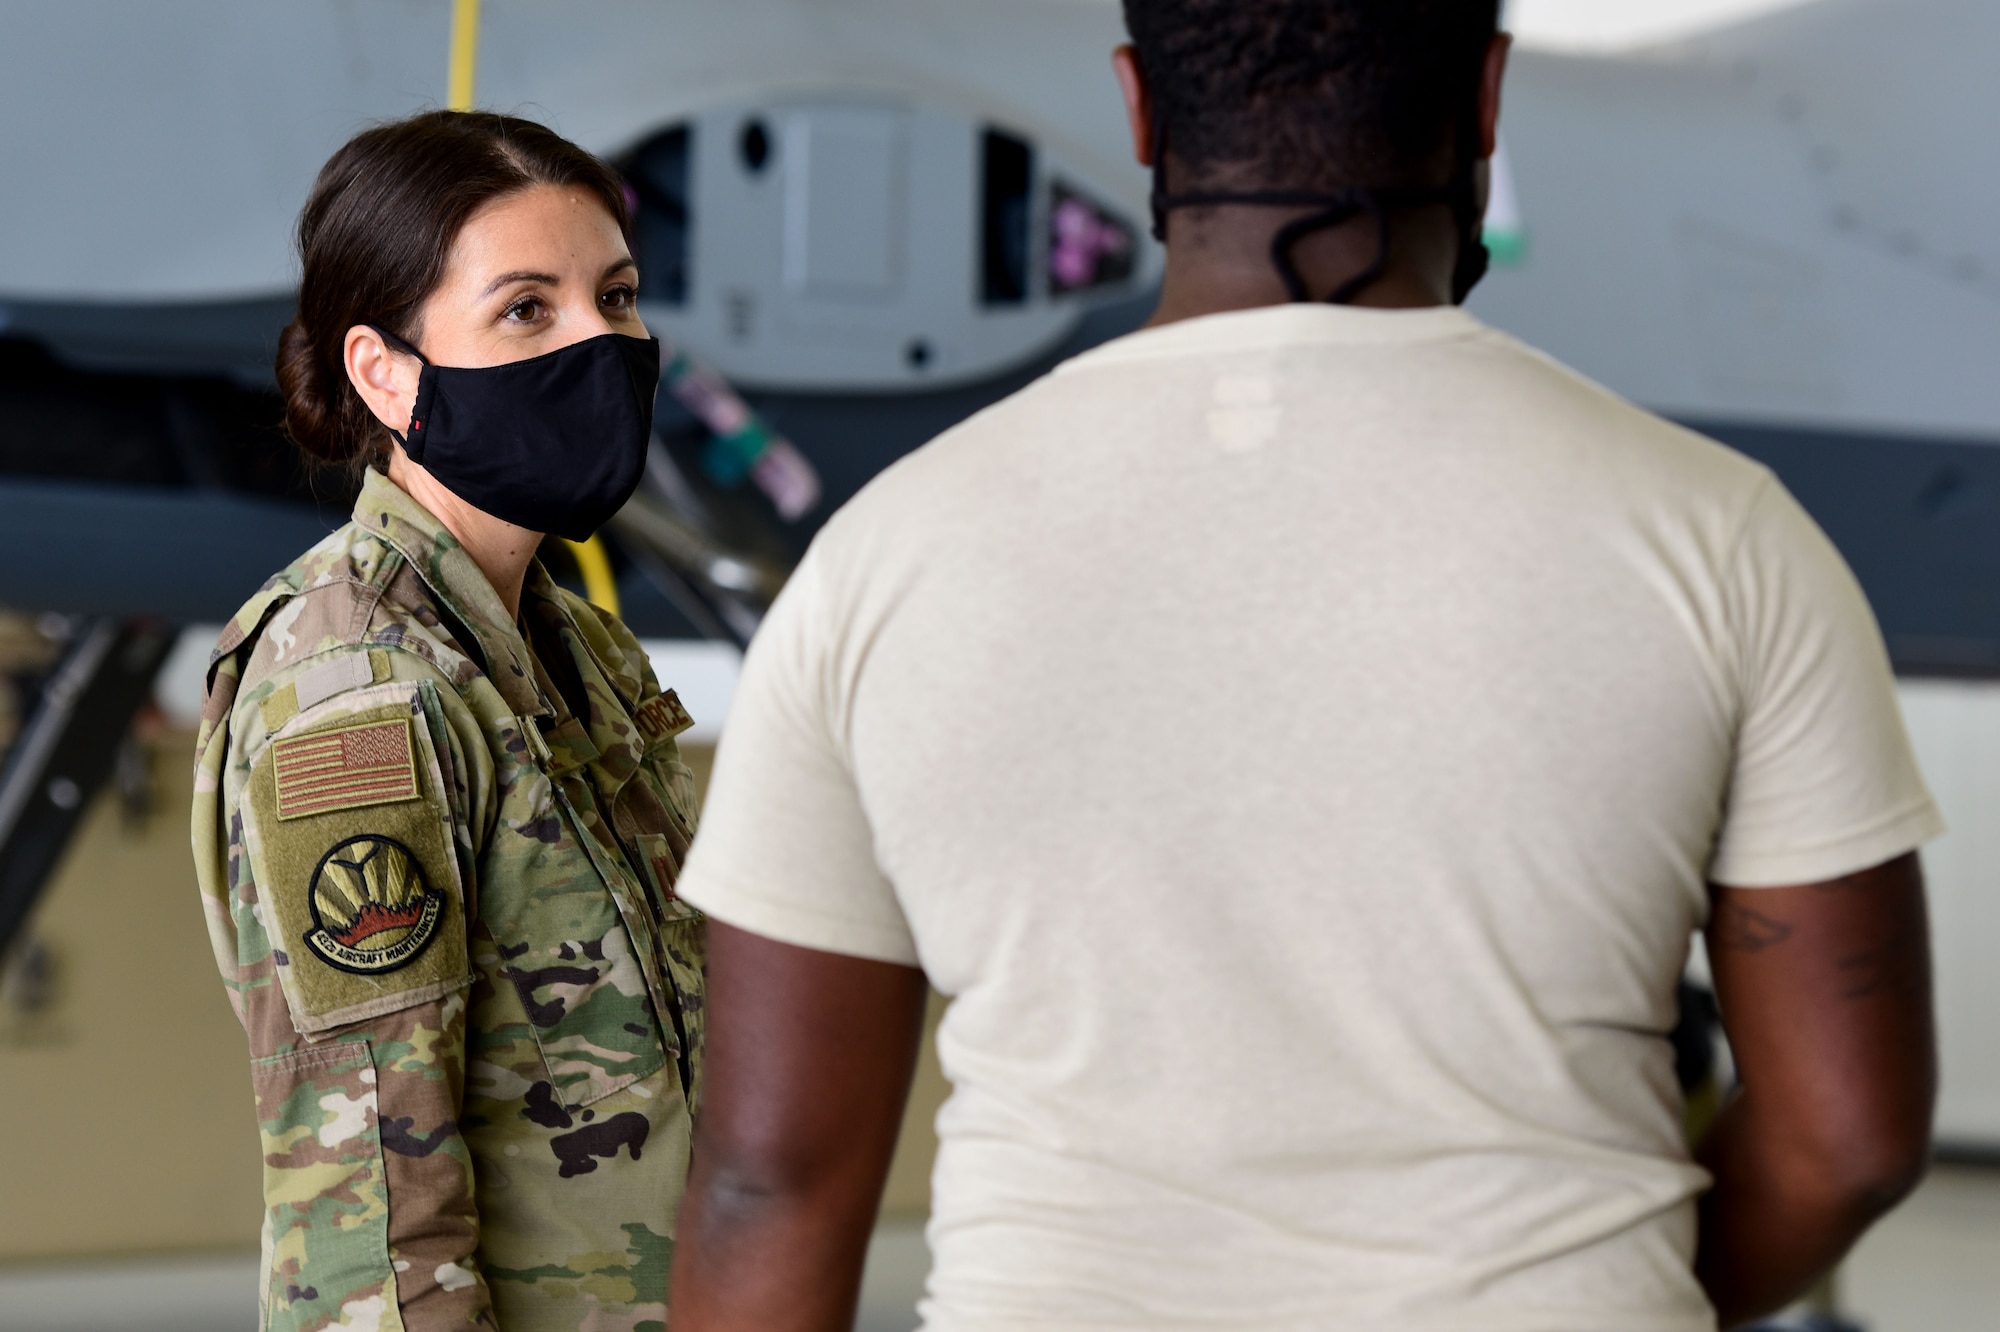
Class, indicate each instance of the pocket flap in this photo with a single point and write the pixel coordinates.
(588, 1004)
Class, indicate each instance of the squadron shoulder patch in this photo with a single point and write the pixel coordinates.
(347, 768)
(371, 909)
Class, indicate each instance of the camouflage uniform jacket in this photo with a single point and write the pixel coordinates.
(437, 859)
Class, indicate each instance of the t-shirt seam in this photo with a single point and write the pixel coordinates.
(1112, 354)
(699, 878)
(1913, 810)
(1766, 482)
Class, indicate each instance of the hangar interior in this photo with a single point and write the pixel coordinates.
(859, 224)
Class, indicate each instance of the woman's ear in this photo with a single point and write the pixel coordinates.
(385, 379)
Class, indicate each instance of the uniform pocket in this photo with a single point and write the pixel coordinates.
(573, 965)
(326, 1191)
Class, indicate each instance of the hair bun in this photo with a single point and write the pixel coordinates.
(304, 380)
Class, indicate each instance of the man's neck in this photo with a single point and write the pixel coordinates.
(1219, 260)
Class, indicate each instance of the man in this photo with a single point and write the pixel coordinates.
(1302, 737)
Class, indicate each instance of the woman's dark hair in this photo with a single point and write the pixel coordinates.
(1310, 94)
(373, 242)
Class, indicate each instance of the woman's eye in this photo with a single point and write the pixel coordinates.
(526, 310)
(619, 298)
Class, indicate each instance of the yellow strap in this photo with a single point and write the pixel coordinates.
(464, 52)
(595, 566)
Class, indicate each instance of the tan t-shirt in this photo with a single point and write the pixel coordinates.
(1297, 739)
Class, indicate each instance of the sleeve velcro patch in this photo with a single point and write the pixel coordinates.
(348, 768)
(350, 841)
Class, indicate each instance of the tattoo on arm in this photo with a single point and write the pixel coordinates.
(1740, 928)
(1892, 965)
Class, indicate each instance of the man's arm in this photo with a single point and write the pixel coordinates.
(1826, 997)
(808, 1066)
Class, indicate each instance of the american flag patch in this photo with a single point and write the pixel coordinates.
(345, 769)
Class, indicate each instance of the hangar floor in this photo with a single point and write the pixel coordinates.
(1934, 1266)
(218, 1293)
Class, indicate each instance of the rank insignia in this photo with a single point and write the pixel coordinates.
(372, 911)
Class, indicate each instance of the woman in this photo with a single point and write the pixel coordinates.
(439, 805)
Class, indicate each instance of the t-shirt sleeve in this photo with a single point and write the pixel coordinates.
(1825, 783)
(784, 849)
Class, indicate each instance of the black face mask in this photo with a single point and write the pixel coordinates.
(1462, 194)
(555, 443)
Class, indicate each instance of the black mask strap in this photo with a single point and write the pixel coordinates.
(1473, 256)
(413, 438)
(397, 344)
(1339, 207)
(1160, 200)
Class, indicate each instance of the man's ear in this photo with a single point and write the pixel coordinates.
(385, 379)
(1138, 101)
(1493, 72)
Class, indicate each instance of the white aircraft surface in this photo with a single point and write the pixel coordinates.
(855, 222)
(1783, 222)
(1787, 221)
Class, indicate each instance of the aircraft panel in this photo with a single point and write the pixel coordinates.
(1708, 232)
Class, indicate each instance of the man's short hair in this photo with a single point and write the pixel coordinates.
(1311, 94)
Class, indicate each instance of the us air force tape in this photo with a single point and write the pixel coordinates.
(661, 718)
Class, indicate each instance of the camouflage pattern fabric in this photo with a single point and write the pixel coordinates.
(437, 856)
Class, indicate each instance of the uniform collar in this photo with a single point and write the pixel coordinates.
(386, 510)
(602, 733)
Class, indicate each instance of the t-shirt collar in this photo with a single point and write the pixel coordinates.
(1279, 326)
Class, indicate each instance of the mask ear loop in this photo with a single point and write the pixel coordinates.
(413, 438)
(398, 344)
(1473, 257)
(1160, 201)
(1461, 195)
(1348, 204)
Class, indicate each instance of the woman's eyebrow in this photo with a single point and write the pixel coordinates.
(547, 279)
(550, 279)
